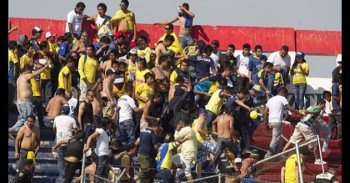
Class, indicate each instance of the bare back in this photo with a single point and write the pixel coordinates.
(224, 126)
(29, 138)
(54, 106)
(97, 104)
(160, 50)
(24, 88)
(106, 65)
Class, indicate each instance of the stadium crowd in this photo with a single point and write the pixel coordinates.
(177, 105)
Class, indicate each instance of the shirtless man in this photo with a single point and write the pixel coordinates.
(225, 132)
(108, 63)
(124, 21)
(25, 95)
(97, 104)
(27, 142)
(247, 164)
(79, 46)
(162, 75)
(185, 18)
(107, 93)
(163, 47)
(53, 108)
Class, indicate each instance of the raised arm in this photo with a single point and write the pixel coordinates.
(167, 22)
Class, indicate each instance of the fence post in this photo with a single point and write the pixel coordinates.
(320, 151)
(219, 181)
(299, 164)
(82, 176)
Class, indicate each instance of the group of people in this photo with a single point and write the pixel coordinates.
(179, 105)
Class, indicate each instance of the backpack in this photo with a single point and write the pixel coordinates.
(102, 29)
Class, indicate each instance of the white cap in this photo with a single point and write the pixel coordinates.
(339, 58)
(238, 160)
(49, 34)
(42, 61)
(133, 51)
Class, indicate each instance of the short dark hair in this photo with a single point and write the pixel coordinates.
(148, 75)
(105, 121)
(162, 59)
(105, 39)
(103, 6)
(60, 91)
(91, 46)
(43, 45)
(285, 48)
(129, 88)
(12, 44)
(28, 45)
(153, 123)
(246, 45)
(283, 89)
(326, 93)
(27, 67)
(320, 101)
(169, 38)
(231, 46)
(268, 64)
(80, 5)
(31, 116)
(126, 2)
(171, 26)
(258, 47)
(186, 6)
(245, 91)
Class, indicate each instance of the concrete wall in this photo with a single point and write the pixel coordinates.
(297, 14)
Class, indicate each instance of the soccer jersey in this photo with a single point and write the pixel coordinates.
(299, 77)
(88, 68)
(215, 102)
(25, 60)
(140, 76)
(164, 157)
(291, 165)
(12, 60)
(312, 117)
(200, 137)
(144, 91)
(35, 89)
(65, 72)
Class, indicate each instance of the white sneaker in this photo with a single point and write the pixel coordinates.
(319, 162)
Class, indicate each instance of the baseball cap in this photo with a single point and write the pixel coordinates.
(110, 71)
(215, 43)
(132, 51)
(238, 161)
(65, 109)
(300, 54)
(36, 30)
(339, 58)
(42, 61)
(118, 34)
(49, 34)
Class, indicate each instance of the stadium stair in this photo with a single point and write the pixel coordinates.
(46, 170)
(262, 138)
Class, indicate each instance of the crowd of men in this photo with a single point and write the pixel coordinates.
(177, 105)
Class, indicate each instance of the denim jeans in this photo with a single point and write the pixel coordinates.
(39, 109)
(89, 128)
(102, 168)
(164, 176)
(276, 141)
(336, 121)
(46, 85)
(323, 126)
(70, 169)
(299, 93)
(25, 108)
(185, 40)
(224, 143)
(61, 150)
(271, 79)
(127, 131)
(210, 117)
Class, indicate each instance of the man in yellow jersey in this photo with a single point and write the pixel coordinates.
(205, 147)
(175, 46)
(140, 72)
(37, 101)
(87, 68)
(27, 58)
(164, 159)
(45, 76)
(214, 105)
(50, 38)
(65, 76)
(290, 171)
(11, 71)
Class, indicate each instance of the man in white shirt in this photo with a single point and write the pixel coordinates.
(126, 107)
(242, 64)
(281, 61)
(273, 115)
(102, 148)
(215, 55)
(75, 20)
(64, 126)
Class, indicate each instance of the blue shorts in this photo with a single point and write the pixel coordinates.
(204, 149)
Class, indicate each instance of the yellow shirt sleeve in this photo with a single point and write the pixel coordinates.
(81, 66)
(173, 76)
